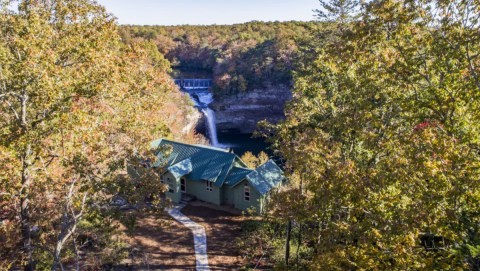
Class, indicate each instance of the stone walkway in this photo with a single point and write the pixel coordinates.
(199, 237)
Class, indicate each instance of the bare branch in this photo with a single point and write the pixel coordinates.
(69, 223)
(471, 66)
(17, 116)
(10, 93)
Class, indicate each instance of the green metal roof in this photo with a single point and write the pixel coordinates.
(266, 177)
(198, 162)
(207, 163)
(181, 169)
(236, 175)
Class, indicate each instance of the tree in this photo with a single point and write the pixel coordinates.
(341, 11)
(257, 56)
(382, 131)
(47, 63)
(254, 161)
(76, 105)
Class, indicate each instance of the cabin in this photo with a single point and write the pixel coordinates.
(215, 175)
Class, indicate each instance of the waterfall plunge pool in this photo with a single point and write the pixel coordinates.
(242, 143)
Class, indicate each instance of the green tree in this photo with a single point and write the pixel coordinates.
(257, 55)
(383, 131)
(47, 62)
(341, 11)
(76, 106)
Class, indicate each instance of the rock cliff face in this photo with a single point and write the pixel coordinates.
(241, 112)
(191, 121)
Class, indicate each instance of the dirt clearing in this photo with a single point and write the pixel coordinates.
(158, 246)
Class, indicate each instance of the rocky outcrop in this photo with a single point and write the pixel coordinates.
(181, 117)
(241, 112)
(192, 120)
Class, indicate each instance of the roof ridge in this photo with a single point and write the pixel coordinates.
(269, 160)
(199, 146)
(230, 166)
(243, 168)
(208, 163)
(211, 148)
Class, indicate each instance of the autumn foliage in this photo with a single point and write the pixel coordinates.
(381, 139)
(77, 106)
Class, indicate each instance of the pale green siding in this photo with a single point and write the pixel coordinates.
(228, 195)
(199, 190)
(227, 172)
(173, 184)
(255, 201)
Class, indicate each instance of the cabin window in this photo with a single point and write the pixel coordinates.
(170, 187)
(183, 185)
(209, 186)
(246, 192)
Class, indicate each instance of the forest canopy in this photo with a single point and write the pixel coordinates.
(76, 107)
(238, 57)
(381, 141)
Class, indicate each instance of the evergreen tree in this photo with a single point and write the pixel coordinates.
(341, 11)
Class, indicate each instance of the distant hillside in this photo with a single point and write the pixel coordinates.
(239, 57)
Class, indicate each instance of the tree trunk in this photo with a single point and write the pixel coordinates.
(24, 209)
(287, 243)
(77, 256)
(299, 243)
(69, 225)
(68, 228)
(25, 190)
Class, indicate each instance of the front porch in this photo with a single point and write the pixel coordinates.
(193, 201)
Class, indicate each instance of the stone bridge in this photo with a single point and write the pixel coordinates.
(189, 84)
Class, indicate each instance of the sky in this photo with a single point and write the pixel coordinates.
(178, 12)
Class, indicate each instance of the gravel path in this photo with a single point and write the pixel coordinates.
(199, 237)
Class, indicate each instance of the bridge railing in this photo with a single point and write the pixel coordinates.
(194, 83)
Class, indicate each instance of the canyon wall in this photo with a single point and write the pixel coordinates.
(241, 112)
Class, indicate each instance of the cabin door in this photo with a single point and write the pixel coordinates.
(183, 185)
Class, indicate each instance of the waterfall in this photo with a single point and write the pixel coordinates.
(211, 125)
(202, 97)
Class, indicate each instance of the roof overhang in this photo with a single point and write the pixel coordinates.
(181, 169)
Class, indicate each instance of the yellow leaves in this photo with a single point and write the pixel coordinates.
(399, 145)
(91, 105)
(333, 66)
(390, 56)
(253, 161)
(411, 239)
(376, 233)
(466, 73)
(400, 249)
